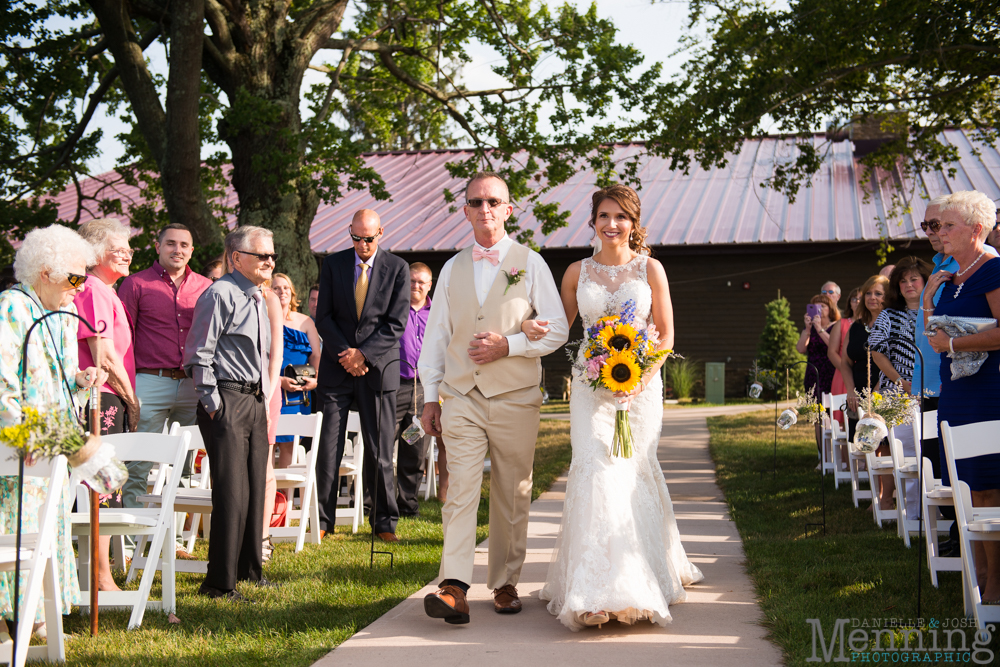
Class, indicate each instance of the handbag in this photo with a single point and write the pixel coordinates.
(299, 373)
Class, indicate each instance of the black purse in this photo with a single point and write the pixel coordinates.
(299, 373)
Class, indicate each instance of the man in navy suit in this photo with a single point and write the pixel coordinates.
(364, 301)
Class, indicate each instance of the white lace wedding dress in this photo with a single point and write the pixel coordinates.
(618, 548)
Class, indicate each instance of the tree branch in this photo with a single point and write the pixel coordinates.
(501, 28)
(368, 45)
(430, 91)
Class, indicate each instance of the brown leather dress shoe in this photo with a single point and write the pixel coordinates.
(449, 603)
(505, 600)
(388, 537)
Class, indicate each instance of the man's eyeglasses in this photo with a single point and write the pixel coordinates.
(273, 256)
(477, 203)
(75, 279)
(933, 225)
(827, 291)
(366, 239)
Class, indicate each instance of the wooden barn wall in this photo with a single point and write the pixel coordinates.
(717, 318)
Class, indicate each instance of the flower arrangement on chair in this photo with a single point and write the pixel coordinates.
(882, 411)
(50, 432)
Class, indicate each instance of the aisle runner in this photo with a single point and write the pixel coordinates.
(717, 626)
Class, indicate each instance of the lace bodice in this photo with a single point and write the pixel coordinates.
(604, 289)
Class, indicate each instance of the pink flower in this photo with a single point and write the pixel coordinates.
(651, 332)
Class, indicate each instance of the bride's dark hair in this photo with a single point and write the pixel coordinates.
(627, 198)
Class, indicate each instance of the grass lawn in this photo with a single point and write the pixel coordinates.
(328, 593)
(856, 571)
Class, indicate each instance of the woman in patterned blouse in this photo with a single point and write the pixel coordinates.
(892, 344)
(50, 266)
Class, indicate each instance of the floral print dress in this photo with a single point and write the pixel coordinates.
(52, 351)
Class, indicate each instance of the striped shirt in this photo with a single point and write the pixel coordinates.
(899, 324)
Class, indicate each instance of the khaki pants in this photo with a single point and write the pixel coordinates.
(507, 427)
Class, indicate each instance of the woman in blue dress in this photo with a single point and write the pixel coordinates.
(972, 291)
(302, 346)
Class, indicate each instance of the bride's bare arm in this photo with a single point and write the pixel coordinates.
(662, 311)
(569, 282)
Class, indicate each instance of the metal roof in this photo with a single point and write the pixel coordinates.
(713, 206)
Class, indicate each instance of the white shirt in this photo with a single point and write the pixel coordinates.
(542, 294)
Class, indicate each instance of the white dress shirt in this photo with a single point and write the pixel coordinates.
(542, 294)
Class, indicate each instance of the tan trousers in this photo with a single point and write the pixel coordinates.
(507, 427)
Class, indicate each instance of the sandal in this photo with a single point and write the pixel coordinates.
(597, 618)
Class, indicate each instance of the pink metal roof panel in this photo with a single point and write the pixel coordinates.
(719, 205)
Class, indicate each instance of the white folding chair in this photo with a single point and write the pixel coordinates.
(302, 477)
(352, 468)
(904, 469)
(975, 524)
(153, 522)
(826, 436)
(38, 563)
(839, 446)
(934, 495)
(194, 500)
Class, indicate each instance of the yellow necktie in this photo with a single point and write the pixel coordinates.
(361, 289)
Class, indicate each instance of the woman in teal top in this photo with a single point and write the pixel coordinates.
(51, 266)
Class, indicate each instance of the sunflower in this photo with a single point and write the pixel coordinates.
(618, 337)
(620, 372)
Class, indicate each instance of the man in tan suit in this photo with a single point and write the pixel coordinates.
(487, 372)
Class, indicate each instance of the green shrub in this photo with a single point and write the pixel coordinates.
(776, 348)
(683, 375)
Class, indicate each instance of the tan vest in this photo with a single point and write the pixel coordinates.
(500, 313)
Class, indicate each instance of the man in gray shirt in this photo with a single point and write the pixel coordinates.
(227, 355)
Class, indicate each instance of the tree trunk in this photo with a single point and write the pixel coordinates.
(172, 137)
(181, 165)
(263, 130)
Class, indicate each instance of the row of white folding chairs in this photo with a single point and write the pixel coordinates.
(975, 524)
(197, 500)
(932, 493)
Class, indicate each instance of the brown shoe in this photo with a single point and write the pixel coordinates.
(505, 600)
(388, 537)
(449, 603)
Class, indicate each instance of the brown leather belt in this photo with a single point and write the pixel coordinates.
(172, 373)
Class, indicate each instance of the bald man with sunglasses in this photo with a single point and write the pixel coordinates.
(363, 307)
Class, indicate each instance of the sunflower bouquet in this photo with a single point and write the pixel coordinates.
(613, 355)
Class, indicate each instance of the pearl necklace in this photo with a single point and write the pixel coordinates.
(962, 273)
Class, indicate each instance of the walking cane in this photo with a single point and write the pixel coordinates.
(95, 517)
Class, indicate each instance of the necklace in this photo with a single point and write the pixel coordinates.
(962, 273)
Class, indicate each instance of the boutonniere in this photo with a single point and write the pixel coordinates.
(513, 278)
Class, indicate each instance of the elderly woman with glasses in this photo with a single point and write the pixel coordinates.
(50, 266)
(971, 290)
(110, 349)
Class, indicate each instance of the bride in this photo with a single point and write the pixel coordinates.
(619, 553)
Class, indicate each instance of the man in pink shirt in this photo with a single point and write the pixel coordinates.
(160, 304)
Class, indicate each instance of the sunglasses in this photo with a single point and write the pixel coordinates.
(827, 291)
(366, 239)
(273, 256)
(477, 203)
(75, 280)
(933, 225)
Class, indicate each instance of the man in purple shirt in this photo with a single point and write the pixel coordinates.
(410, 458)
(160, 304)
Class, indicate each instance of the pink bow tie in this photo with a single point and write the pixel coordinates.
(492, 255)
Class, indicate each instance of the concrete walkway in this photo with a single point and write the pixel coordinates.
(719, 625)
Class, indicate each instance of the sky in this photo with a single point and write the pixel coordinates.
(653, 28)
